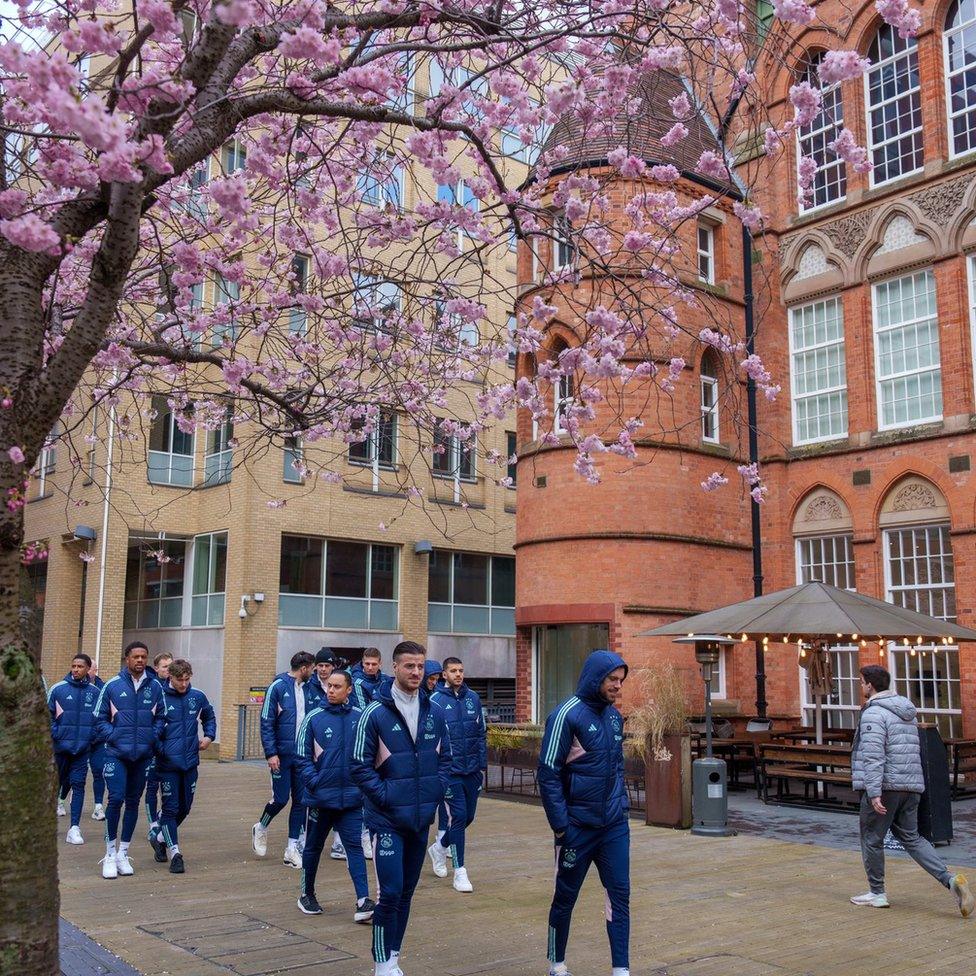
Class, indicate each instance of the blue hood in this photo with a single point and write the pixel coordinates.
(595, 668)
(384, 690)
(432, 667)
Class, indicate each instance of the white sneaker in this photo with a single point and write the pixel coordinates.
(74, 836)
(110, 867)
(461, 882)
(259, 840)
(61, 810)
(367, 847)
(292, 858)
(438, 858)
(338, 852)
(870, 900)
(99, 812)
(124, 864)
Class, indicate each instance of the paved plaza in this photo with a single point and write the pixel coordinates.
(742, 906)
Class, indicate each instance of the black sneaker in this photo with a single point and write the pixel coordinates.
(364, 911)
(309, 905)
(159, 848)
(176, 865)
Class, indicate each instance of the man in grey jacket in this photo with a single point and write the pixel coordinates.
(887, 767)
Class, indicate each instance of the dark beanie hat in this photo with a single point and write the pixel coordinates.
(325, 656)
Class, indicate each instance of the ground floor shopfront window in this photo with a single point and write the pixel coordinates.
(560, 650)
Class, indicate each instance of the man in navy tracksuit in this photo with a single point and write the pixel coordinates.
(71, 703)
(366, 677)
(581, 779)
(469, 759)
(160, 671)
(178, 754)
(286, 703)
(325, 663)
(129, 720)
(96, 758)
(401, 761)
(324, 758)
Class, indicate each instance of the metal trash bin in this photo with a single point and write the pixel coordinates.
(710, 798)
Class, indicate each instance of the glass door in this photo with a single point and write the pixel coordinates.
(561, 650)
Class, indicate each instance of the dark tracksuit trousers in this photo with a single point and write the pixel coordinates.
(460, 804)
(72, 773)
(397, 859)
(125, 779)
(178, 787)
(576, 850)
(284, 784)
(348, 824)
(97, 761)
(153, 782)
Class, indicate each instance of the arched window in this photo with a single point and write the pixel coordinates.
(709, 398)
(563, 392)
(960, 60)
(894, 106)
(920, 575)
(830, 180)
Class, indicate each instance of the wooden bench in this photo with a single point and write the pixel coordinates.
(807, 764)
(963, 762)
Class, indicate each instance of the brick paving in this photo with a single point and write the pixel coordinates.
(742, 906)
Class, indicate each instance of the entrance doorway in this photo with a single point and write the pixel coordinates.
(560, 650)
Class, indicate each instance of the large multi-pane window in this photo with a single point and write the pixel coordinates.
(297, 316)
(154, 575)
(337, 584)
(818, 371)
(920, 576)
(906, 334)
(378, 449)
(830, 559)
(209, 580)
(453, 457)
(293, 460)
(960, 60)
(381, 183)
(375, 302)
(814, 138)
(471, 593)
(170, 448)
(709, 399)
(894, 106)
(218, 464)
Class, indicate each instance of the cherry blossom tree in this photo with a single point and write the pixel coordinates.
(153, 145)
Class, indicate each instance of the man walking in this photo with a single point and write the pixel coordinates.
(324, 758)
(160, 671)
(286, 704)
(71, 703)
(886, 764)
(178, 758)
(469, 760)
(581, 780)
(129, 720)
(366, 677)
(401, 762)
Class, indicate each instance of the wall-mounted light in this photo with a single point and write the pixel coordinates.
(423, 547)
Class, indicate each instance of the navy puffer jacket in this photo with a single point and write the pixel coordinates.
(279, 716)
(72, 707)
(129, 722)
(466, 727)
(402, 781)
(364, 686)
(581, 763)
(315, 692)
(179, 745)
(324, 757)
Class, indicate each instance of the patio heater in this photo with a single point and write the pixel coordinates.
(709, 776)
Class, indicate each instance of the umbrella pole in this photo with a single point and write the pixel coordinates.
(818, 717)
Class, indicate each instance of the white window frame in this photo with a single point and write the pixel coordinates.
(374, 192)
(226, 292)
(562, 397)
(217, 597)
(949, 75)
(709, 410)
(453, 454)
(233, 156)
(491, 606)
(869, 108)
(372, 444)
(46, 462)
(897, 652)
(878, 379)
(375, 288)
(825, 391)
(706, 254)
(301, 266)
(562, 241)
(168, 471)
(218, 465)
(826, 125)
(971, 268)
(290, 453)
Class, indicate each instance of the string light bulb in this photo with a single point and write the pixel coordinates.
(744, 638)
(765, 641)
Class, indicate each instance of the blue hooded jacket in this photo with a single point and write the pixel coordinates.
(129, 722)
(72, 707)
(315, 692)
(581, 763)
(179, 745)
(402, 781)
(364, 686)
(324, 757)
(279, 716)
(466, 727)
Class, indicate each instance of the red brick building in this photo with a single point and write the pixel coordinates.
(865, 312)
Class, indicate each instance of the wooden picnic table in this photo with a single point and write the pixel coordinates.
(809, 735)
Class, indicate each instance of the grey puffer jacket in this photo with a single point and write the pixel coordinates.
(886, 753)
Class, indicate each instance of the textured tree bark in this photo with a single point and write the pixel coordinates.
(29, 901)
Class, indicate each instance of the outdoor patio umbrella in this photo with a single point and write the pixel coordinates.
(819, 615)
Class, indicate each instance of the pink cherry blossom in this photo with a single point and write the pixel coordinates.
(794, 11)
(31, 233)
(15, 454)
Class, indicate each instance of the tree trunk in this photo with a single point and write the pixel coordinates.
(29, 900)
